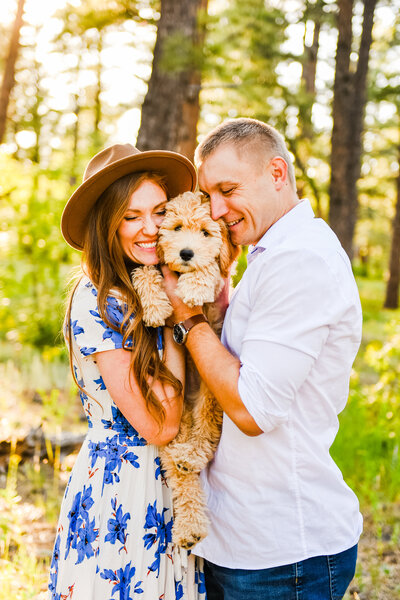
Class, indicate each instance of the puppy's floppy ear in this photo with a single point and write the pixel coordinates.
(229, 252)
(203, 199)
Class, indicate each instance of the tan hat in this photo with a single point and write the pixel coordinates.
(109, 165)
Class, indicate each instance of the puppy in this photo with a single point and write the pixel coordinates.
(198, 248)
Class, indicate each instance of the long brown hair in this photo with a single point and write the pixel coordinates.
(104, 262)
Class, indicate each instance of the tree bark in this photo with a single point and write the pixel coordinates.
(171, 107)
(310, 56)
(348, 117)
(9, 70)
(392, 288)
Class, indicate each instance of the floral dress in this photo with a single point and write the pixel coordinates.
(114, 537)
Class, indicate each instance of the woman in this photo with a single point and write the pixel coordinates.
(114, 533)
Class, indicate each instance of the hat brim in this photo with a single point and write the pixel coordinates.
(179, 173)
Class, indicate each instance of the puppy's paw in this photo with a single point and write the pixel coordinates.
(195, 295)
(148, 283)
(187, 535)
(188, 459)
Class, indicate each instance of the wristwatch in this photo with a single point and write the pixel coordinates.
(181, 330)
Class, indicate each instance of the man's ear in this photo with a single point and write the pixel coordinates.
(279, 169)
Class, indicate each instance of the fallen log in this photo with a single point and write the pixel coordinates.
(36, 444)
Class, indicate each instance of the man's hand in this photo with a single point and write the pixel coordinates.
(181, 310)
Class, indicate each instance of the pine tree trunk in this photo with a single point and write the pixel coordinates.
(171, 108)
(9, 70)
(392, 288)
(310, 56)
(342, 98)
(348, 118)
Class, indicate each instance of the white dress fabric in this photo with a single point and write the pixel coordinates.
(113, 538)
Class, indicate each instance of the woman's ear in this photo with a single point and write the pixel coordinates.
(228, 252)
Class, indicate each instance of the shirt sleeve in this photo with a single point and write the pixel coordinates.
(293, 304)
(89, 330)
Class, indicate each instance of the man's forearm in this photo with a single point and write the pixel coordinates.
(220, 371)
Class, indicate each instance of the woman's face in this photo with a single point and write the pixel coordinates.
(138, 229)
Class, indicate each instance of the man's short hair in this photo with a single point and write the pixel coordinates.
(243, 131)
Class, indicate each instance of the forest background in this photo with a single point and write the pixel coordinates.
(78, 75)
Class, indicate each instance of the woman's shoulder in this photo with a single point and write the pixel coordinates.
(85, 300)
(87, 292)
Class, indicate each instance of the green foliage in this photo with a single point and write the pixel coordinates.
(367, 446)
(35, 260)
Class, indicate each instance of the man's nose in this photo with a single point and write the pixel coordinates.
(218, 207)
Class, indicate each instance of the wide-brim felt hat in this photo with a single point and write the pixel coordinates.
(109, 165)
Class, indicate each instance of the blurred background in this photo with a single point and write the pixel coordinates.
(78, 75)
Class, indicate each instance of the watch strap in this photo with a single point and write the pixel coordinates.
(192, 321)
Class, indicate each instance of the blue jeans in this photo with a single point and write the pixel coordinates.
(317, 578)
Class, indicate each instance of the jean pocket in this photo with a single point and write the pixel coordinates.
(342, 567)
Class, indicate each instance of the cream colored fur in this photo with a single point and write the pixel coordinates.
(188, 225)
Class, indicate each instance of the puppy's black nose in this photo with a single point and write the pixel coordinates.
(186, 254)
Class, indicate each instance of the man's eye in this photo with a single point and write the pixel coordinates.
(178, 228)
(227, 192)
(205, 232)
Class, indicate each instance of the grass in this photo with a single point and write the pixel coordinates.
(36, 389)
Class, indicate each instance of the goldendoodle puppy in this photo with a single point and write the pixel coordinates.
(198, 248)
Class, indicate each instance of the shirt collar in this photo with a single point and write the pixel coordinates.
(282, 228)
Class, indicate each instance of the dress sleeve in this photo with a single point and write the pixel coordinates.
(89, 330)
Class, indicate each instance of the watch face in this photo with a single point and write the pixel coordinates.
(179, 334)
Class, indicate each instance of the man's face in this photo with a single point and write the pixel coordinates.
(243, 190)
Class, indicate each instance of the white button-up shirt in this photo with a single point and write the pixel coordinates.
(295, 322)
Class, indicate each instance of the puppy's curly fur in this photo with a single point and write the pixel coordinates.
(198, 248)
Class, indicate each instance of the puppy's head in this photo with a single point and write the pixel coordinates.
(189, 239)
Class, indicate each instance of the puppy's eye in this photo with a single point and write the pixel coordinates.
(205, 233)
(178, 228)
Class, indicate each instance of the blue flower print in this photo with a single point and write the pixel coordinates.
(56, 553)
(85, 351)
(117, 525)
(100, 383)
(178, 590)
(122, 581)
(81, 532)
(121, 425)
(76, 329)
(87, 534)
(159, 470)
(86, 502)
(109, 333)
(73, 517)
(97, 450)
(200, 580)
(53, 585)
(163, 533)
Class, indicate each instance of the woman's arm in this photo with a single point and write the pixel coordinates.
(114, 367)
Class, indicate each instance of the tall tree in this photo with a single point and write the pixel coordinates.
(171, 107)
(348, 119)
(9, 70)
(392, 288)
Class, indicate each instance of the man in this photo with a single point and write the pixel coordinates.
(283, 522)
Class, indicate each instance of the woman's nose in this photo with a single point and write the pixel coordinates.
(150, 227)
